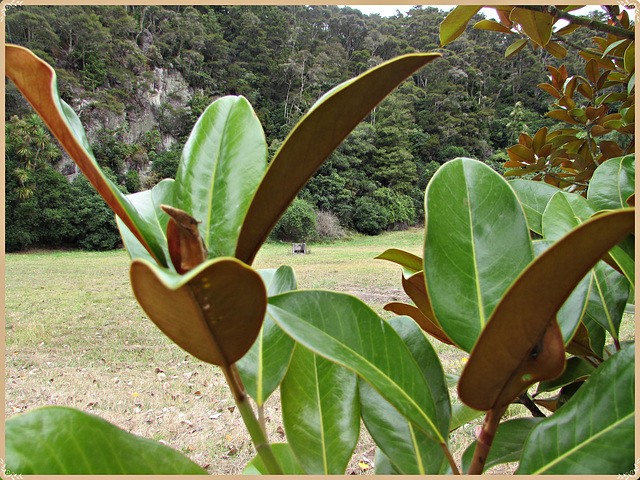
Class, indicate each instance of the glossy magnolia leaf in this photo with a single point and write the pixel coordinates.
(515, 47)
(612, 183)
(529, 307)
(537, 26)
(492, 26)
(564, 212)
(214, 312)
(594, 432)
(609, 289)
(556, 49)
(36, 80)
(320, 412)
(456, 22)
(472, 214)
(415, 287)
(609, 294)
(416, 314)
(410, 263)
(345, 330)
(311, 142)
(222, 164)
(147, 203)
(461, 415)
(265, 364)
(383, 464)
(534, 197)
(285, 457)
(409, 450)
(577, 369)
(507, 444)
(630, 58)
(64, 441)
(583, 345)
(574, 308)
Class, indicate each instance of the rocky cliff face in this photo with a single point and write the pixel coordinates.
(160, 89)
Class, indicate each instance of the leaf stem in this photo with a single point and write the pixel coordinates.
(485, 439)
(258, 436)
(452, 462)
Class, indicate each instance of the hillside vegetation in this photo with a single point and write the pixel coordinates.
(140, 76)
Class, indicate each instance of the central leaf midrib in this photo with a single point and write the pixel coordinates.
(213, 179)
(475, 261)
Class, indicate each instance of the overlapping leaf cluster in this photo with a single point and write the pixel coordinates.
(536, 313)
(517, 311)
(599, 106)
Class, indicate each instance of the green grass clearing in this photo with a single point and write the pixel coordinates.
(75, 336)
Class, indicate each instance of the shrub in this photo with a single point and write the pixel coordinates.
(369, 216)
(132, 181)
(451, 152)
(400, 210)
(298, 224)
(328, 226)
(94, 220)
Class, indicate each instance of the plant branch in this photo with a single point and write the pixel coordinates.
(585, 22)
(485, 439)
(612, 15)
(258, 436)
(575, 46)
(525, 400)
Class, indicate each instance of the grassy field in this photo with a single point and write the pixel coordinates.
(76, 337)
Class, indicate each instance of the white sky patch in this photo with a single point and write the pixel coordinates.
(390, 10)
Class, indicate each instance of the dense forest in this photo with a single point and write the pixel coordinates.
(140, 76)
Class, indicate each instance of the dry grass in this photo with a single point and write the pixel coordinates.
(76, 337)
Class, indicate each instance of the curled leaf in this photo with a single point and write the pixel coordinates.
(186, 247)
(206, 311)
(526, 314)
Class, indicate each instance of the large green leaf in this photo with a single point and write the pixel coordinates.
(609, 294)
(313, 139)
(456, 22)
(507, 444)
(344, 329)
(534, 197)
(285, 457)
(214, 312)
(265, 364)
(409, 450)
(63, 441)
(494, 375)
(537, 26)
(594, 432)
(613, 183)
(410, 263)
(320, 412)
(36, 80)
(564, 212)
(222, 163)
(476, 243)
